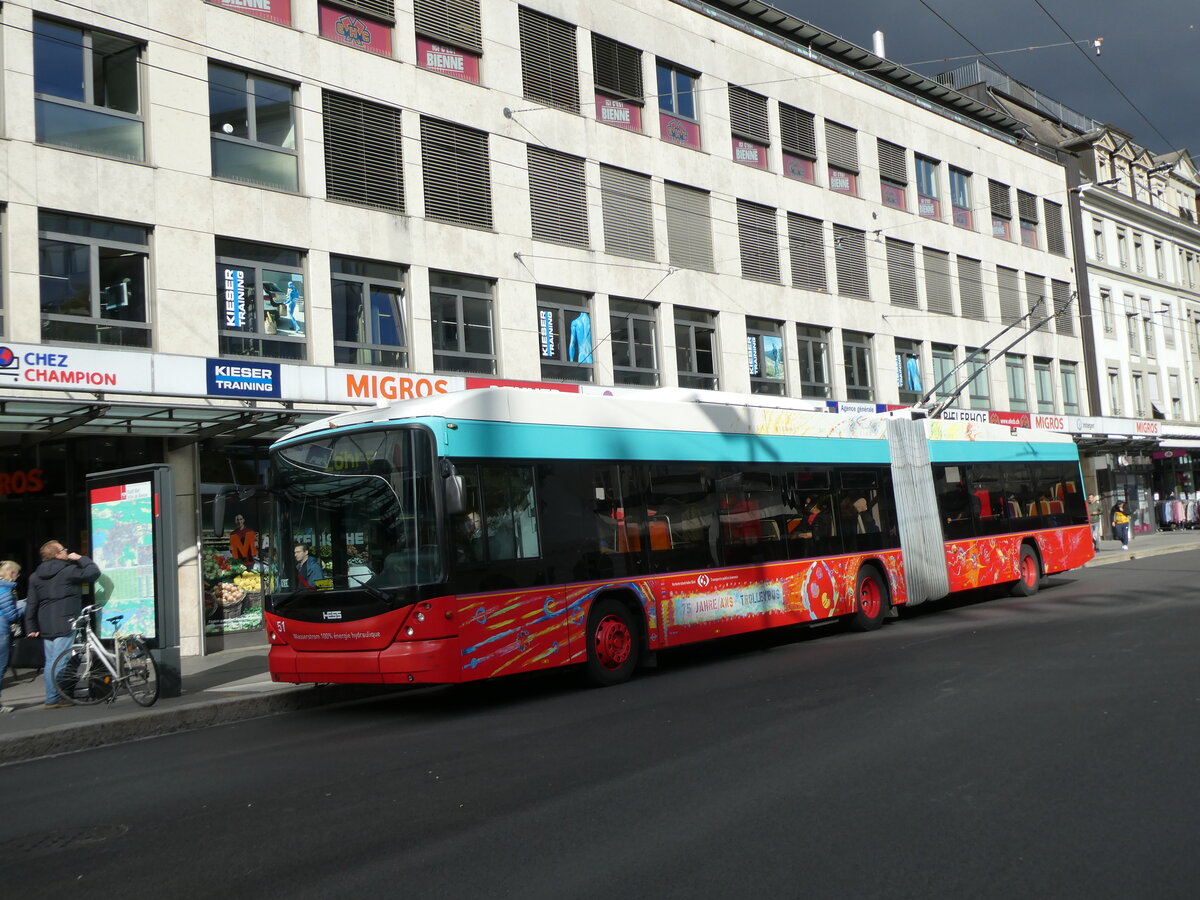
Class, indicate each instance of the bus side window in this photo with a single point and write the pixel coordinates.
(510, 512)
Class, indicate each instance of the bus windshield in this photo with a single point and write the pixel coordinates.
(355, 510)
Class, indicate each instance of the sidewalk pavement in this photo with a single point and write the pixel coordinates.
(233, 685)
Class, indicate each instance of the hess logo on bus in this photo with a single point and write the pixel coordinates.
(331, 614)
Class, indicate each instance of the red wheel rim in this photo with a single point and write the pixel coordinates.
(1029, 571)
(870, 598)
(613, 642)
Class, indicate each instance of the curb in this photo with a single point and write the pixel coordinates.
(70, 738)
(1127, 556)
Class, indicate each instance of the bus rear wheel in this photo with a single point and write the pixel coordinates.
(612, 643)
(1029, 573)
(870, 600)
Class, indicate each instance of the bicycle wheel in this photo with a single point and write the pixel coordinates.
(141, 672)
(81, 677)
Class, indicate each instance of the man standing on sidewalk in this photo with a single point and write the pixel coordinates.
(1096, 515)
(54, 600)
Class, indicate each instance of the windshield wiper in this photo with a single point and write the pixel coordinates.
(278, 601)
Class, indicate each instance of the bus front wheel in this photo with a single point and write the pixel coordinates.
(1029, 573)
(612, 643)
(870, 600)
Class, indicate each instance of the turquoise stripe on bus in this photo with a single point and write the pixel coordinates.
(1001, 451)
(524, 441)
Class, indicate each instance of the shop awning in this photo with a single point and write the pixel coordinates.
(28, 421)
(1173, 444)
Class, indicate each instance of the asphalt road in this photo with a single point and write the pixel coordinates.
(995, 747)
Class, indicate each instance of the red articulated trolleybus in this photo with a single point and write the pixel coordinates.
(496, 531)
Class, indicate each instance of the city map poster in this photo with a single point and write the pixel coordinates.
(123, 547)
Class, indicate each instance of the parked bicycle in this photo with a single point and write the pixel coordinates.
(88, 672)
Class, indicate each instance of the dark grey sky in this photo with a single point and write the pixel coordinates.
(1150, 52)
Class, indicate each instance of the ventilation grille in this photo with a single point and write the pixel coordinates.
(759, 241)
(363, 152)
(850, 256)
(748, 115)
(970, 288)
(806, 249)
(456, 177)
(557, 197)
(902, 273)
(549, 72)
(689, 227)
(454, 22)
(938, 295)
(628, 215)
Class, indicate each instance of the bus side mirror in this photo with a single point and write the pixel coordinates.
(455, 494)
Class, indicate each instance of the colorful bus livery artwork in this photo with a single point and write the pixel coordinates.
(497, 531)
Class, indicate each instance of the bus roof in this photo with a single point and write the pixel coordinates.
(693, 424)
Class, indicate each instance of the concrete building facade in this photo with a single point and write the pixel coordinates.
(221, 219)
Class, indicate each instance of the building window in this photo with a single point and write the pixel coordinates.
(1160, 261)
(938, 293)
(1043, 382)
(1037, 301)
(1148, 329)
(748, 123)
(1168, 324)
(1027, 215)
(1122, 249)
(943, 370)
(460, 309)
(549, 69)
(909, 383)
(929, 205)
(565, 334)
(634, 326)
(87, 93)
(970, 288)
(361, 24)
(841, 145)
(1131, 328)
(764, 353)
(856, 357)
(806, 251)
(1056, 240)
(902, 273)
(93, 281)
(1014, 367)
(1064, 317)
(678, 119)
(1173, 384)
(893, 174)
(797, 135)
(260, 300)
(696, 348)
(1139, 395)
(689, 227)
(456, 174)
(557, 197)
(1098, 240)
(1008, 282)
(368, 313)
(1069, 374)
(253, 128)
(850, 261)
(1139, 253)
(1001, 203)
(758, 241)
(813, 346)
(960, 198)
(628, 213)
(363, 152)
(1106, 310)
(979, 388)
(449, 37)
(618, 82)
(1114, 391)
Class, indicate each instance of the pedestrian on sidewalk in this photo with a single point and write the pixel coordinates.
(55, 598)
(9, 614)
(1120, 524)
(1096, 516)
